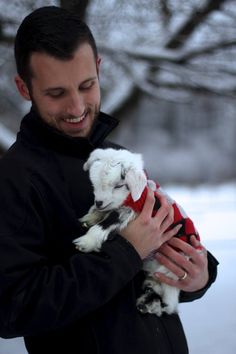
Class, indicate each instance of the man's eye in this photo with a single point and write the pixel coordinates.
(56, 94)
(87, 85)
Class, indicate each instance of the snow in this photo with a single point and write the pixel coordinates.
(213, 209)
(210, 323)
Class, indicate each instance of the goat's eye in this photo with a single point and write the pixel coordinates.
(119, 186)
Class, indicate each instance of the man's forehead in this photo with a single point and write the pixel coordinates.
(53, 73)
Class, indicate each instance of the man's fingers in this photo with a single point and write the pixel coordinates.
(171, 233)
(148, 205)
(165, 213)
(193, 254)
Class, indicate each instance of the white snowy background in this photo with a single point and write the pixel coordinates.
(210, 323)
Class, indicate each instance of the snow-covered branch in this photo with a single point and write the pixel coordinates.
(197, 17)
(157, 55)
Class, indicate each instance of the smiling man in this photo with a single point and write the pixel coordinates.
(66, 94)
(60, 300)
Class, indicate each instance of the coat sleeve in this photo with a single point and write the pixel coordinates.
(212, 268)
(38, 294)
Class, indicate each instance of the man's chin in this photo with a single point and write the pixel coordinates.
(76, 130)
(83, 129)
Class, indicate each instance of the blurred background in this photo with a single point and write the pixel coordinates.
(168, 74)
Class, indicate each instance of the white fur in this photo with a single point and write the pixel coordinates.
(114, 175)
(106, 168)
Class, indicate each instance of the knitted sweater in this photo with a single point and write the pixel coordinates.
(180, 217)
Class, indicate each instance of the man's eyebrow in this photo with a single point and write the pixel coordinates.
(58, 88)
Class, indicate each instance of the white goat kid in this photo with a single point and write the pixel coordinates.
(116, 176)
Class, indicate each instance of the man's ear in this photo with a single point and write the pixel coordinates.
(98, 63)
(22, 88)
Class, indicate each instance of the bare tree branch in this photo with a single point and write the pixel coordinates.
(192, 23)
(199, 88)
(194, 53)
(146, 54)
(165, 11)
(155, 56)
(187, 81)
(170, 53)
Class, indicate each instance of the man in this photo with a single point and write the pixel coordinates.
(60, 300)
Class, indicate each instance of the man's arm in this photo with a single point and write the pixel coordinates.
(40, 291)
(38, 296)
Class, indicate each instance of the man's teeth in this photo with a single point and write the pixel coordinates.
(75, 120)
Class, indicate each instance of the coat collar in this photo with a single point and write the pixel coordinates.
(36, 132)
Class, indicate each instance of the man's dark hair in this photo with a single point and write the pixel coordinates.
(51, 30)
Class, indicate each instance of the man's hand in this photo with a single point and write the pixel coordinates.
(189, 264)
(147, 233)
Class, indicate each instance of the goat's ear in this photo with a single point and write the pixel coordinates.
(86, 166)
(89, 163)
(136, 181)
(96, 155)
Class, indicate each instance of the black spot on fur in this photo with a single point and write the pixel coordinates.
(150, 297)
(111, 219)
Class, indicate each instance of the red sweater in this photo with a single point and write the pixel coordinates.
(180, 217)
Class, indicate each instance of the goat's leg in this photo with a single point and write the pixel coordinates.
(151, 299)
(158, 298)
(92, 240)
(170, 298)
(97, 234)
(93, 217)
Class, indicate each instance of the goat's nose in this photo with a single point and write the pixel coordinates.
(98, 203)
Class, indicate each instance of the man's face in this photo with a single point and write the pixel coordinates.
(66, 93)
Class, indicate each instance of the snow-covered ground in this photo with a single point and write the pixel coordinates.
(210, 323)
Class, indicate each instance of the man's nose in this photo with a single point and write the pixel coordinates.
(76, 105)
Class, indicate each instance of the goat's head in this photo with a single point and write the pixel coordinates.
(115, 174)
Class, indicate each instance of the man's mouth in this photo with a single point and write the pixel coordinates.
(76, 119)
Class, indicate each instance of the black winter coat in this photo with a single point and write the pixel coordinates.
(60, 300)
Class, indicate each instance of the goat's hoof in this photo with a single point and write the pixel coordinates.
(142, 308)
(83, 244)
